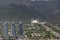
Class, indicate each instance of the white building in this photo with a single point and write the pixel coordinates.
(34, 21)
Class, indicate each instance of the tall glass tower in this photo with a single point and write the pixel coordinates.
(13, 29)
(6, 29)
(20, 29)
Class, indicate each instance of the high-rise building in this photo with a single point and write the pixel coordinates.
(6, 29)
(20, 27)
(13, 29)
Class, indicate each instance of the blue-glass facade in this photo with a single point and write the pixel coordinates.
(13, 29)
(20, 27)
(6, 29)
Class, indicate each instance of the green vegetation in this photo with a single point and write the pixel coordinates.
(35, 31)
(53, 28)
(38, 31)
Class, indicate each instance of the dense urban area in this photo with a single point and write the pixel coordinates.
(30, 31)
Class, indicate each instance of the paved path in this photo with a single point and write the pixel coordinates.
(54, 26)
(55, 33)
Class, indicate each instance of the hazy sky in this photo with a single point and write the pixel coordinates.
(40, 0)
(7, 2)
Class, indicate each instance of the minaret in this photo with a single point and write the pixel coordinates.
(13, 29)
(6, 29)
(20, 29)
(37, 20)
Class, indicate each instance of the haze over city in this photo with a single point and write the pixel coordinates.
(29, 19)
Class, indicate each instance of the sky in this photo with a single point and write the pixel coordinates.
(40, 0)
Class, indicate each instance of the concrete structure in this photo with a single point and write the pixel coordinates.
(20, 29)
(12, 33)
(33, 21)
(6, 29)
(13, 29)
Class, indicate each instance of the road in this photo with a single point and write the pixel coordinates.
(54, 26)
(55, 33)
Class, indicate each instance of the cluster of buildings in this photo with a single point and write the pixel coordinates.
(13, 33)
